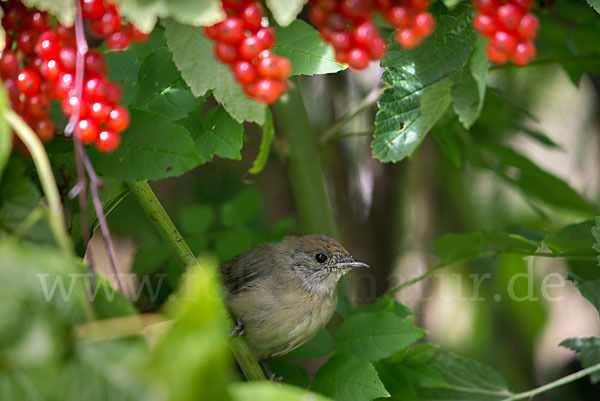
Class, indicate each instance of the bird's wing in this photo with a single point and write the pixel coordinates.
(242, 272)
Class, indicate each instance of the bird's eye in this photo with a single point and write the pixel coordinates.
(321, 257)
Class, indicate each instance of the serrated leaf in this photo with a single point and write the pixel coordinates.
(373, 336)
(221, 136)
(466, 380)
(589, 289)
(385, 303)
(317, 347)
(468, 92)
(266, 391)
(193, 56)
(175, 102)
(285, 11)
(156, 73)
(145, 13)
(344, 377)
(595, 4)
(151, 148)
(588, 349)
(396, 382)
(574, 238)
(302, 45)
(64, 10)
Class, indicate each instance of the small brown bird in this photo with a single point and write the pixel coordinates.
(283, 293)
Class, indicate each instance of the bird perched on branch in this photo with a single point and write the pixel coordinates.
(283, 293)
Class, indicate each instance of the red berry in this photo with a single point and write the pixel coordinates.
(44, 129)
(48, 45)
(95, 63)
(235, 4)
(509, 15)
(336, 22)
(65, 83)
(92, 9)
(118, 40)
(244, 72)
(496, 55)
(14, 17)
(424, 24)
(266, 37)
(108, 23)
(87, 130)
(284, 68)
(524, 4)
(26, 41)
(94, 89)
(486, 6)
(357, 10)
(364, 34)
(231, 30)
(113, 92)
(225, 53)
(28, 82)
(377, 49)
(358, 59)
(418, 5)
(136, 35)
(252, 16)
(212, 32)
(107, 141)
(266, 91)
(99, 111)
(67, 57)
(505, 42)
(318, 16)
(9, 64)
(341, 56)
(527, 27)
(524, 53)
(38, 20)
(485, 25)
(267, 66)
(340, 40)
(50, 70)
(37, 106)
(118, 119)
(383, 5)
(70, 102)
(66, 33)
(399, 17)
(250, 48)
(408, 38)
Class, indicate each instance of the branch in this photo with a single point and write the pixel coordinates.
(167, 230)
(557, 383)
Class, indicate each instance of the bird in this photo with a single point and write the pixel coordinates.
(281, 294)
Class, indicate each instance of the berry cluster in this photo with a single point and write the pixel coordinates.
(243, 41)
(510, 27)
(37, 66)
(347, 26)
(105, 22)
(409, 18)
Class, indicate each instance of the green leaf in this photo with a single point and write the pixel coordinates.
(589, 289)
(221, 136)
(64, 10)
(596, 234)
(240, 209)
(540, 137)
(468, 92)
(175, 102)
(385, 304)
(530, 179)
(317, 347)
(508, 242)
(344, 377)
(373, 336)
(145, 13)
(153, 147)
(196, 219)
(285, 11)
(268, 133)
(595, 4)
(308, 54)
(156, 73)
(453, 248)
(198, 337)
(108, 302)
(266, 391)
(574, 238)
(5, 132)
(466, 380)
(588, 349)
(193, 56)
(291, 373)
(450, 145)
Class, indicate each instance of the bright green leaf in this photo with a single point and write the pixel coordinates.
(285, 11)
(151, 148)
(385, 304)
(468, 92)
(373, 336)
(344, 377)
(193, 56)
(589, 352)
(302, 44)
(220, 136)
(145, 13)
(156, 73)
(266, 391)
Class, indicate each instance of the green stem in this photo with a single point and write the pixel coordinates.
(44, 170)
(557, 383)
(167, 230)
(306, 174)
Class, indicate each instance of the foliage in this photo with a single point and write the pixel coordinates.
(187, 111)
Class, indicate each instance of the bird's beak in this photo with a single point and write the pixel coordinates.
(353, 265)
